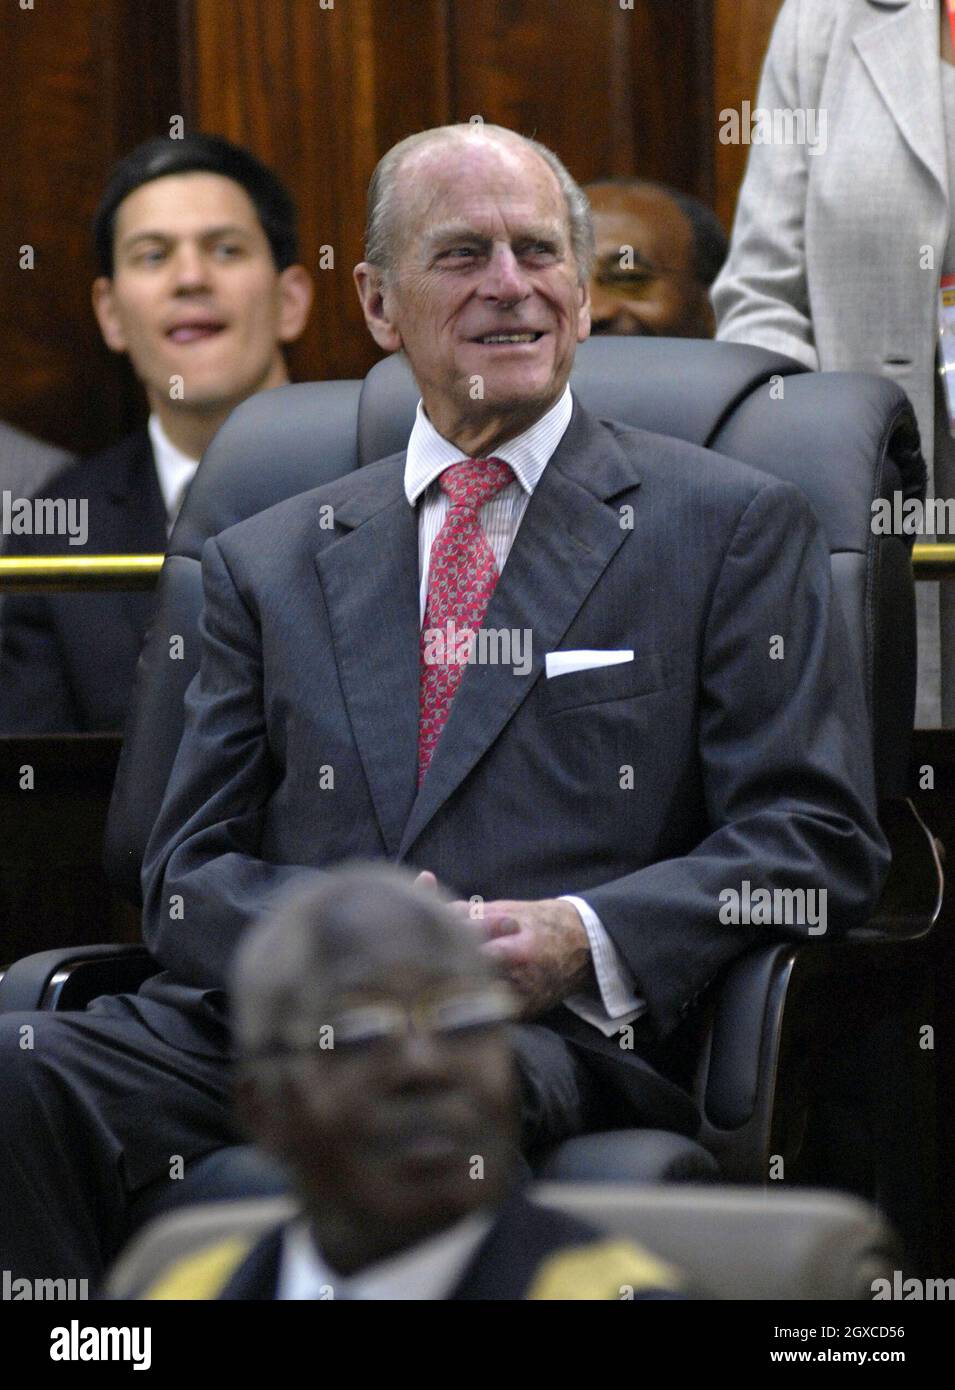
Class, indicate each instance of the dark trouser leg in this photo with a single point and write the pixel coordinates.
(93, 1106)
(556, 1088)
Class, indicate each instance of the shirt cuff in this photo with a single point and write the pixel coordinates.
(618, 1004)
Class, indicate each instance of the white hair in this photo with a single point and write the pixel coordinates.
(381, 229)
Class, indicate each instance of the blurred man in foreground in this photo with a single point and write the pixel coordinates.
(197, 246)
(658, 253)
(374, 1062)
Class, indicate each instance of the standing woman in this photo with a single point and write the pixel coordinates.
(838, 250)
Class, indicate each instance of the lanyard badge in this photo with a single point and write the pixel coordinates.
(946, 306)
(946, 344)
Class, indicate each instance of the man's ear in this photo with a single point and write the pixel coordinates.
(296, 291)
(370, 286)
(583, 314)
(104, 307)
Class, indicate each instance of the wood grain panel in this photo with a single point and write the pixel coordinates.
(670, 49)
(320, 95)
(558, 71)
(741, 31)
(74, 99)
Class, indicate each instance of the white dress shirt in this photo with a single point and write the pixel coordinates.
(429, 1270)
(174, 469)
(429, 454)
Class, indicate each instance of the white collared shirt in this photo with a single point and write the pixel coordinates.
(174, 469)
(429, 454)
(429, 1270)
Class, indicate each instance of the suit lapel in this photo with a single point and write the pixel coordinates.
(370, 582)
(903, 61)
(566, 540)
(132, 488)
(135, 520)
(257, 1276)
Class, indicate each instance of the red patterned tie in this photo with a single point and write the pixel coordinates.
(462, 574)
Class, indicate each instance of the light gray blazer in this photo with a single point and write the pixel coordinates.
(26, 464)
(836, 255)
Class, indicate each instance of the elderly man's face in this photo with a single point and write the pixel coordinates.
(392, 1139)
(485, 299)
(644, 280)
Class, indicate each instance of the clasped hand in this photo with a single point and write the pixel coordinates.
(541, 947)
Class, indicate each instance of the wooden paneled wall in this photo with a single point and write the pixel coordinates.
(320, 89)
(741, 30)
(83, 81)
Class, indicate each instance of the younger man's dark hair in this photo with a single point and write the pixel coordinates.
(208, 154)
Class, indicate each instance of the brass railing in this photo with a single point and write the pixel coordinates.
(81, 573)
(933, 561)
(95, 573)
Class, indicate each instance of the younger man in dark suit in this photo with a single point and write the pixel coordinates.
(374, 1062)
(196, 244)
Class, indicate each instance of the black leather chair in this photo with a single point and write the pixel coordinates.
(758, 1052)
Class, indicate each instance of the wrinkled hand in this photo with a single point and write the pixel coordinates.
(541, 948)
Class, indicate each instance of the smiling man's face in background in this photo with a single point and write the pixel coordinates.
(654, 289)
(195, 294)
(485, 298)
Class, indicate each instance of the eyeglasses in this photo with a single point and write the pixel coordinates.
(636, 282)
(373, 1025)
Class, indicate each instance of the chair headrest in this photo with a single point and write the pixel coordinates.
(636, 380)
(282, 442)
(757, 406)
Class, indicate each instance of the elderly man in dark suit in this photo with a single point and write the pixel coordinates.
(196, 244)
(590, 678)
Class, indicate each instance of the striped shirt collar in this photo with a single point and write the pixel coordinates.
(429, 453)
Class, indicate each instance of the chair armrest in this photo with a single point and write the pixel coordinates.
(911, 899)
(777, 1015)
(70, 977)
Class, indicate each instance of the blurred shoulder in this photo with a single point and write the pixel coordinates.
(602, 1270)
(202, 1274)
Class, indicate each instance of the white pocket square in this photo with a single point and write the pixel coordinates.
(563, 663)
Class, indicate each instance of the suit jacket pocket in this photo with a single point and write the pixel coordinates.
(641, 676)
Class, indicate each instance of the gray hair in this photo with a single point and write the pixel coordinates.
(285, 959)
(381, 230)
